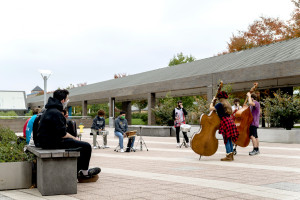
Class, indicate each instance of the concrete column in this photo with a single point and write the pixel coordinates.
(112, 112)
(209, 93)
(84, 108)
(151, 105)
(126, 106)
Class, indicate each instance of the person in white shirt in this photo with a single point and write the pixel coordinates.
(236, 106)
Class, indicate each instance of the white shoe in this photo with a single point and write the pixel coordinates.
(122, 151)
(178, 144)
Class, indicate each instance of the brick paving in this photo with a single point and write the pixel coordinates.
(167, 172)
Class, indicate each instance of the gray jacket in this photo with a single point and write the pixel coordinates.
(121, 125)
(98, 123)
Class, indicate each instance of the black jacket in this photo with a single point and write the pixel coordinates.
(52, 126)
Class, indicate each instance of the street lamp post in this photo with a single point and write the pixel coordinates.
(45, 75)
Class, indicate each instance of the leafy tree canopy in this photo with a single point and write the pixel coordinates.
(180, 58)
(266, 30)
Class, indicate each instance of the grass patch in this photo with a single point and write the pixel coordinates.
(137, 122)
(133, 122)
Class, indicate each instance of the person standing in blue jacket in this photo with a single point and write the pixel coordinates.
(29, 126)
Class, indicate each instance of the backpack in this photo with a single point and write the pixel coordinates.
(71, 127)
(24, 127)
(35, 129)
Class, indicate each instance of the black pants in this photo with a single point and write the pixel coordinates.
(184, 135)
(83, 160)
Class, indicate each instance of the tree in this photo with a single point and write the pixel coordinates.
(176, 60)
(266, 30)
(180, 58)
(141, 104)
(73, 86)
(119, 75)
(282, 110)
(260, 32)
(294, 22)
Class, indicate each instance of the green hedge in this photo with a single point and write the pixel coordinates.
(12, 148)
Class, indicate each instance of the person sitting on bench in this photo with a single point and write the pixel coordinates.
(52, 134)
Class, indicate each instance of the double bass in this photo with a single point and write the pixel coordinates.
(243, 120)
(205, 142)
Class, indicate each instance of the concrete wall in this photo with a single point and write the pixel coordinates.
(15, 175)
(274, 135)
(16, 125)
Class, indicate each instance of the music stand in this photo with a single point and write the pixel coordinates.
(183, 139)
(141, 141)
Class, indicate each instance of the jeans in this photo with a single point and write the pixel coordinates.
(120, 136)
(229, 146)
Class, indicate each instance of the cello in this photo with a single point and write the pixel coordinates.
(243, 120)
(205, 142)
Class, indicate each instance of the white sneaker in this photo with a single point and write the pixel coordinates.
(122, 151)
(178, 144)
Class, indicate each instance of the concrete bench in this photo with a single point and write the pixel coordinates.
(56, 170)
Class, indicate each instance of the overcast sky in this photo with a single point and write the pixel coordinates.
(90, 41)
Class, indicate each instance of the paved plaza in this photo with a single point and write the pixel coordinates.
(167, 172)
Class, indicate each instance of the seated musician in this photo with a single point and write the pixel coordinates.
(99, 125)
(121, 127)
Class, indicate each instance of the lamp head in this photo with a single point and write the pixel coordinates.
(45, 73)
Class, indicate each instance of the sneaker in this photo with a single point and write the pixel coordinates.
(178, 144)
(122, 151)
(253, 153)
(91, 172)
(94, 171)
(187, 145)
